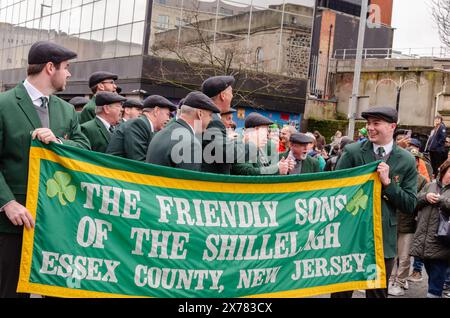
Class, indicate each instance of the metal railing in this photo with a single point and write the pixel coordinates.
(394, 53)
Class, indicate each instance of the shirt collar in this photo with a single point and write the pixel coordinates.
(387, 148)
(105, 123)
(33, 92)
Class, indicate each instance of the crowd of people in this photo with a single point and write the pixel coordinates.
(199, 134)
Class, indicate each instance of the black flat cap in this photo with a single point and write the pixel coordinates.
(299, 138)
(199, 100)
(133, 103)
(160, 101)
(217, 84)
(181, 102)
(43, 52)
(108, 98)
(79, 101)
(100, 76)
(387, 114)
(255, 120)
(415, 142)
(231, 111)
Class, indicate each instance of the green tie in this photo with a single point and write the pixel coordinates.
(381, 153)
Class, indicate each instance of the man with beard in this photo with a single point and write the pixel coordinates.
(30, 107)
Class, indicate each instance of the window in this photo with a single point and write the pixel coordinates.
(163, 22)
(259, 55)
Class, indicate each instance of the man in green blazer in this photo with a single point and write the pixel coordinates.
(132, 138)
(177, 145)
(100, 81)
(215, 138)
(398, 176)
(261, 156)
(30, 111)
(100, 129)
(298, 159)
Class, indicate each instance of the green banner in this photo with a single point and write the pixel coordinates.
(112, 227)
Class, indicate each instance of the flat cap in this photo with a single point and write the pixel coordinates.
(255, 120)
(299, 138)
(44, 51)
(107, 98)
(160, 101)
(415, 142)
(387, 114)
(231, 111)
(98, 77)
(133, 103)
(79, 101)
(199, 100)
(216, 84)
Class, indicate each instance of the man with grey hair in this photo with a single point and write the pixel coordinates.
(108, 113)
(176, 145)
(132, 138)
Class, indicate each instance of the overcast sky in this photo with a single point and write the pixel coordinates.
(414, 25)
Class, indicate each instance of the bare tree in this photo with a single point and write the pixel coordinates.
(203, 54)
(441, 16)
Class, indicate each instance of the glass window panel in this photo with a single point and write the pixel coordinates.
(30, 9)
(15, 13)
(76, 3)
(56, 6)
(75, 18)
(23, 12)
(123, 40)
(3, 15)
(126, 12)
(140, 8)
(112, 13)
(97, 36)
(64, 22)
(109, 43)
(55, 22)
(45, 23)
(9, 14)
(65, 4)
(137, 34)
(87, 1)
(85, 36)
(99, 15)
(86, 18)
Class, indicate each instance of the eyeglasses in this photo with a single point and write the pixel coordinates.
(108, 82)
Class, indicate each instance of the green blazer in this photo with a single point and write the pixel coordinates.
(97, 134)
(399, 195)
(18, 118)
(131, 139)
(309, 165)
(216, 137)
(262, 164)
(187, 146)
(88, 112)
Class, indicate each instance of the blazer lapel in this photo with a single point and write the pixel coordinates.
(394, 158)
(104, 132)
(367, 152)
(26, 104)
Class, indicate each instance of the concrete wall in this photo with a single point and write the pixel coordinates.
(380, 80)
